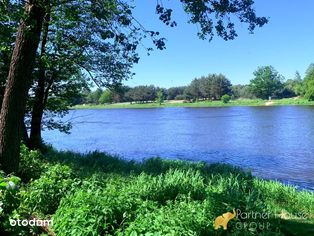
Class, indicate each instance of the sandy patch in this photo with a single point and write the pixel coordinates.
(175, 101)
(269, 103)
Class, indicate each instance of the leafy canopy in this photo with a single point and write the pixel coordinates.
(266, 82)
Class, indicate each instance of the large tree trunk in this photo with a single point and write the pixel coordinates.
(19, 79)
(24, 137)
(35, 140)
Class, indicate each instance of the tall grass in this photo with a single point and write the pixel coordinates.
(99, 194)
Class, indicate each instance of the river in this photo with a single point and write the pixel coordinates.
(273, 142)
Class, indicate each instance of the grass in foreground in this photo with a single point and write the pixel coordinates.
(238, 102)
(98, 194)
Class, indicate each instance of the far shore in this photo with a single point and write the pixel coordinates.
(181, 103)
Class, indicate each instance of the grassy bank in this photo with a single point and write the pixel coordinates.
(98, 194)
(239, 102)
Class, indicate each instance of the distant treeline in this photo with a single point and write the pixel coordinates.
(267, 82)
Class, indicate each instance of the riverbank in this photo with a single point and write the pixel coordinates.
(99, 194)
(181, 103)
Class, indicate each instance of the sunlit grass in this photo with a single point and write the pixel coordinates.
(100, 194)
(237, 102)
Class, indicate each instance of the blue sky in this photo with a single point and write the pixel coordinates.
(286, 42)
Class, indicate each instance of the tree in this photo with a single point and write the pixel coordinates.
(10, 13)
(103, 53)
(142, 93)
(160, 97)
(205, 86)
(225, 98)
(219, 85)
(298, 84)
(241, 91)
(267, 82)
(212, 86)
(193, 90)
(173, 92)
(94, 96)
(21, 67)
(211, 16)
(106, 97)
(309, 83)
(292, 87)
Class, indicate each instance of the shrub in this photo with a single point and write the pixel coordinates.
(180, 97)
(9, 198)
(225, 98)
(95, 210)
(44, 194)
(31, 164)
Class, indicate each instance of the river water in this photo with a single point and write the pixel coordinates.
(273, 142)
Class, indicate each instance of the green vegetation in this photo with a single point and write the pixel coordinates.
(266, 83)
(98, 194)
(174, 103)
(61, 46)
(160, 97)
(208, 91)
(309, 83)
(225, 98)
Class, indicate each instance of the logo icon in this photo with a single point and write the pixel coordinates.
(224, 219)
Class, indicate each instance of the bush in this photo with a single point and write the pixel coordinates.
(44, 194)
(31, 164)
(225, 98)
(180, 97)
(95, 209)
(9, 198)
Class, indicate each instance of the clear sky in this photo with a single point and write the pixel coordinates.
(286, 42)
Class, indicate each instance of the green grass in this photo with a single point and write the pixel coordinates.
(293, 101)
(238, 102)
(100, 194)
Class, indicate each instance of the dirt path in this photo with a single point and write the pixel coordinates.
(269, 103)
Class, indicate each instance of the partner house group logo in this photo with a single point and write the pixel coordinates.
(259, 217)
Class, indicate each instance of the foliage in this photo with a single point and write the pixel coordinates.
(142, 93)
(94, 96)
(98, 194)
(160, 97)
(173, 92)
(241, 91)
(9, 197)
(106, 97)
(298, 84)
(203, 12)
(309, 83)
(212, 87)
(225, 98)
(10, 13)
(43, 195)
(266, 83)
(31, 164)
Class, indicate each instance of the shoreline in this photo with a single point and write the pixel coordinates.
(201, 104)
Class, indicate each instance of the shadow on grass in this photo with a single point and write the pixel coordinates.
(165, 184)
(296, 227)
(99, 162)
